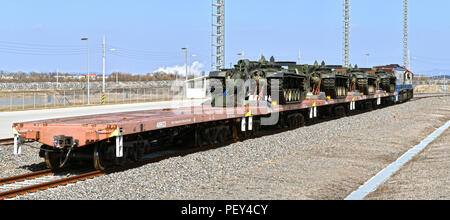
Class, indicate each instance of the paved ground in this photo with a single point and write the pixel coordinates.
(427, 177)
(8, 118)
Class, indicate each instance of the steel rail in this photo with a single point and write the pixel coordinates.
(50, 184)
(7, 141)
(10, 141)
(24, 177)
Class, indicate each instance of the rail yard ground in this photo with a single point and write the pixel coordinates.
(323, 161)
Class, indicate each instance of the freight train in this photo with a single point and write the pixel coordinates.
(251, 99)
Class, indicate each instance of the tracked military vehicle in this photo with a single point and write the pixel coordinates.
(387, 78)
(331, 79)
(363, 79)
(259, 80)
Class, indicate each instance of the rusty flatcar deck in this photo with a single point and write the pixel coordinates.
(95, 128)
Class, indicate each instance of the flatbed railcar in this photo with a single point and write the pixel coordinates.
(115, 139)
(252, 98)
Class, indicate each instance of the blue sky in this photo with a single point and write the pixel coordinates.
(45, 35)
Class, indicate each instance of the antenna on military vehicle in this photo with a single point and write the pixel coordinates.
(346, 33)
(218, 35)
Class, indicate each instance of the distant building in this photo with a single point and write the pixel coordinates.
(196, 88)
(5, 77)
(92, 76)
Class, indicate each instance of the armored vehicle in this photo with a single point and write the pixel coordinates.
(363, 79)
(260, 80)
(331, 79)
(387, 78)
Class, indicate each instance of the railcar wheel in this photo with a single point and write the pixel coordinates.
(301, 118)
(52, 160)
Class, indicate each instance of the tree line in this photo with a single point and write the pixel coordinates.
(22, 77)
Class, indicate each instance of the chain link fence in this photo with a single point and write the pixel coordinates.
(39, 96)
(435, 86)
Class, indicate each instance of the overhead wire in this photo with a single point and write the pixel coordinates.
(39, 49)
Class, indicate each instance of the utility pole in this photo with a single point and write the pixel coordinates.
(187, 69)
(445, 83)
(218, 35)
(346, 33)
(405, 35)
(104, 70)
(57, 78)
(187, 61)
(88, 73)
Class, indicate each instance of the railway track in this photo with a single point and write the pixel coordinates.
(429, 96)
(9, 142)
(6, 142)
(19, 185)
(12, 187)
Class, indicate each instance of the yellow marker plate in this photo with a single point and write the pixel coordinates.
(15, 132)
(115, 133)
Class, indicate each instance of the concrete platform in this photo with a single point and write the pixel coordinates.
(427, 177)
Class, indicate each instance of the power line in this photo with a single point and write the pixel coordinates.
(37, 45)
(6, 51)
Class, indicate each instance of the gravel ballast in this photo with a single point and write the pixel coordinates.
(324, 161)
(28, 161)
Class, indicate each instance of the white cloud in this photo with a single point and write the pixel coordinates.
(196, 68)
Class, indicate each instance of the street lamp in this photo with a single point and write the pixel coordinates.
(242, 54)
(367, 59)
(187, 61)
(88, 73)
(104, 71)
